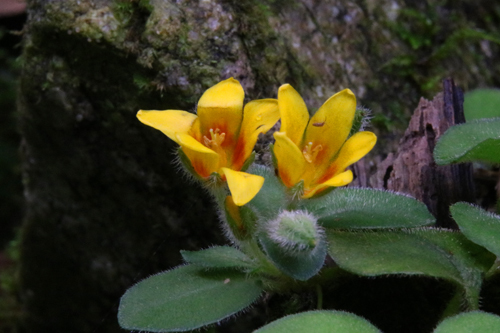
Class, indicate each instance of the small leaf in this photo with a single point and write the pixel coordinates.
(368, 208)
(470, 322)
(218, 257)
(478, 225)
(482, 103)
(320, 322)
(432, 252)
(474, 141)
(300, 265)
(185, 298)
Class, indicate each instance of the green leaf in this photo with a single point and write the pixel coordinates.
(433, 252)
(272, 197)
(474, 141)
(218, 257)
(470, 322)
(320, 322)
(185, 298)
(368, 208)
(478, 225)
(300, 265)
(482, 103)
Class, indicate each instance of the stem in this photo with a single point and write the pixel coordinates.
(251, 248)
(319, 293)
(472, 298)
(494, 270)
(454, 304)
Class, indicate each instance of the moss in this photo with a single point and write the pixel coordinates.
(10, 308)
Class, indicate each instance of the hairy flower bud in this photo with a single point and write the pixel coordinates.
(295, 244)
(295, 231)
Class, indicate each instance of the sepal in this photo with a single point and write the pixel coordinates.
(248, 162)
(186, 164)
(362, 118)
(240, 219)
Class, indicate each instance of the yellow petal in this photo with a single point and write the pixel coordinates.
(243, 186)
(339, 180)
(221, 107)
(186, 140)
(258, 117)
(330, 125)
(195, 130)
(354, 149)
(170, 122)
(204, 160)
(291, 162)
(294, 115)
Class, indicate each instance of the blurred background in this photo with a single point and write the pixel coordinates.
(12, 19)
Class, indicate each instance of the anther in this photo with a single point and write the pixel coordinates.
(310, 153)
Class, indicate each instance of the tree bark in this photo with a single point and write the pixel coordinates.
(412, 169)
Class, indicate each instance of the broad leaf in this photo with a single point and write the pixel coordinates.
(474, 141)
(478, 225)
(300, 265)
(470, 322)
(368, 208)
(219, 257)
(185, 298)
(432, 252)
(482, 103)
(320, 322)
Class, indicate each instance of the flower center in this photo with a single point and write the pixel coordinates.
(215, 143)
(310, 153)
(216, 139)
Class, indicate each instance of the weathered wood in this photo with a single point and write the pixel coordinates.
(412, 169)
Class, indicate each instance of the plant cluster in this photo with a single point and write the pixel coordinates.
(283, 220)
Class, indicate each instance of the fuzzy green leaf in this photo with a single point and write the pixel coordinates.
(432, 252)
(470, 322)
(272, 197)
(478, 225)
(185, 298)
(368, 208)
(482, 103)
(320, 322)
(474, 141)
(300, 265)
(218, 257)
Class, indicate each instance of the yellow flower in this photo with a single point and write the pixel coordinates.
(315, 150)
(221, 137)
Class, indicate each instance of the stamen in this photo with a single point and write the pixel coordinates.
(215, 143)
(310, 153)
(216, 139)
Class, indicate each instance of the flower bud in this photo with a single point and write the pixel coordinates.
(295, 231)
(295, 244)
